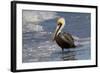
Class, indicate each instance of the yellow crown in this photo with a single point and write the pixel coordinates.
(61, 20)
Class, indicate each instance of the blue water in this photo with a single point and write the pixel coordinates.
(39, 47)
(76, 23)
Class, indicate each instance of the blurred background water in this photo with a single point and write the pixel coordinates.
(38, 28)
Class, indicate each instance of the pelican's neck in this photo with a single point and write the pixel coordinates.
(60, 29)
(60, 26)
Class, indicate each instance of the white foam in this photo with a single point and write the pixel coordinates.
(32, 19)
(81, 41)
(37, 16)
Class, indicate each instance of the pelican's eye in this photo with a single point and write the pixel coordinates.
(60, 24)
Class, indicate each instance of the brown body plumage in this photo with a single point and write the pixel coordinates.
(65, 40)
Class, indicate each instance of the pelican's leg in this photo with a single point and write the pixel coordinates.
(63, 54)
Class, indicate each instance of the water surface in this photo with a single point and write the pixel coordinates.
(38, 28)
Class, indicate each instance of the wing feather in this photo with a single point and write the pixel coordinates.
(67, 37)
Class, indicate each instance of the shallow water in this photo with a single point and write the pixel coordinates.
(38, 27)
(36, 49)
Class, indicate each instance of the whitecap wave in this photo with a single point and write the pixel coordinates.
(32, 27)
(32, 19)
(38, 16)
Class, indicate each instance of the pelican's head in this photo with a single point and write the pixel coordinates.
(60, 26)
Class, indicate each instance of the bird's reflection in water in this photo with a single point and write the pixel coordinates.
(63, 56)
(68, 55)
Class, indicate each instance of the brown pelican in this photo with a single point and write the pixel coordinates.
(63, 39)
